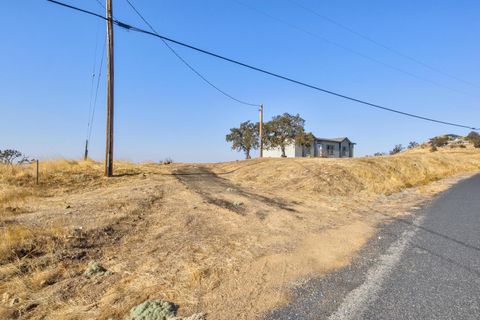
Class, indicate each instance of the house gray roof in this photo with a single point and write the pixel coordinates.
(338, 140)
(453, 136)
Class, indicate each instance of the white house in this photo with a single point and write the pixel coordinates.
(321, 147)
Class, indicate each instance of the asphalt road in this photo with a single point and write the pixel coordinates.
(424, 267)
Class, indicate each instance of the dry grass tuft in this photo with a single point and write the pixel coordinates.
(19, 241)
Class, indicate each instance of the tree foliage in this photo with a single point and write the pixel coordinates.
(244, 138)
(473, 135)
(11, 156)
(474, 138)
(284, 129)
(305, 139)
(397, 149)
(439, 141)
(412, 144)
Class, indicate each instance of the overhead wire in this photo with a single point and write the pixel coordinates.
(380, 44)
(348, 49)
(98, 86)
(187, 63)
(276, 75)
(94, 69)
(94, 97)
(101, 4)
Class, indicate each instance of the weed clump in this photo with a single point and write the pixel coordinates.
(94, 268)
(159, 310)
(167, 161)
(153, 310)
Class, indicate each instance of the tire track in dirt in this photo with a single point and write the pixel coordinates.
(227, 195)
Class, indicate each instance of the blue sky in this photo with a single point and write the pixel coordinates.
(164, 110)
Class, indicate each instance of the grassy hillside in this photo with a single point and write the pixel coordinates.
(349, 176)
(227, 238)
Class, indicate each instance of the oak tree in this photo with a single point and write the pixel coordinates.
(285, 129)
(244, 138)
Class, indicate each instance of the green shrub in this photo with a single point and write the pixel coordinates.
(474, 138)
(397, 149)
(439, 141)
(412, 144)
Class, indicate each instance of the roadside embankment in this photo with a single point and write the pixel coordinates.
(228, 239)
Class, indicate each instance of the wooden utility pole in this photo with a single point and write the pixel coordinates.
(261, 131)
(110, 77)
(85, 156)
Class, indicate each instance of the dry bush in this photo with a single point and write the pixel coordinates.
(397, 149)
(439, 141)
(12, 201)
(15, 187)
(19, 241)
(42, 278)
(412, 144)
(18, 175)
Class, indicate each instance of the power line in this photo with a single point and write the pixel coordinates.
(92, 107)
(78, 9)
(98, 85)
(381, 45)
(101, 4)
(188, 64)
(304, 84)
(92, 82)
(353, 51)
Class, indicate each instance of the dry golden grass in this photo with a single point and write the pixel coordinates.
(369, 175)
(18, 182)
(226, 238)
(19, 241)
(59, 174)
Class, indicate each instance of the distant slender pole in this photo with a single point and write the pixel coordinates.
(36, 181)
(85, 157)
(261, 131)
(110, 77)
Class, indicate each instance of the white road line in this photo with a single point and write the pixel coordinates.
(357, 301)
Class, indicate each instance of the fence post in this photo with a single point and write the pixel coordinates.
(37, 171)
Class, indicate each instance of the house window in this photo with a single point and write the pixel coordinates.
(330, 149)
(307, 151)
